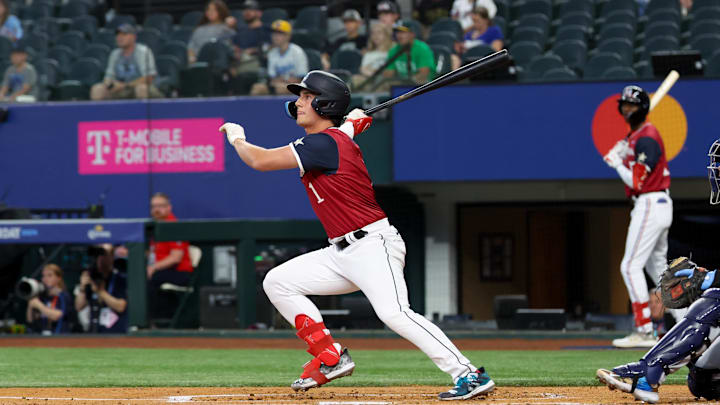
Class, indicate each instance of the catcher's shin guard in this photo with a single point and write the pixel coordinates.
(688, 337)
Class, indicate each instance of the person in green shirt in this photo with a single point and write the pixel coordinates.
(421, 67)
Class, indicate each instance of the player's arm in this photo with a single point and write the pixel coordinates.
(257, 157)
(647, 155)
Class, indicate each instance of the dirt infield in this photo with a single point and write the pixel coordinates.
(323, 396)
(289, 343)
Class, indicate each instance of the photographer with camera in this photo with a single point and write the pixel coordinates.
(48, 311)
(101, 296)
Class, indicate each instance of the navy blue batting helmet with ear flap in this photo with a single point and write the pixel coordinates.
(638, 96)
(332, 96)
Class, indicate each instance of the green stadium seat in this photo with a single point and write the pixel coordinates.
(523, 52)
(191, 19)
(620, 73)
(621, 46)
(314, 59)
(712, 69)
(347, 59)
(537, 68)
(573, 52)
(274, 13)
(196, 80)
(600, 63)
(562, 74)
(177, 49)
(162, 22)
(86, 24)
(707, 44)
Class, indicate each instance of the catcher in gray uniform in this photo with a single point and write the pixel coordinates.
(694, 340)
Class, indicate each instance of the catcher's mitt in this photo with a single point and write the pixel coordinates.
(682, 290)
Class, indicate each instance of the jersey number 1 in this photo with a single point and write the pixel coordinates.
(319, 199)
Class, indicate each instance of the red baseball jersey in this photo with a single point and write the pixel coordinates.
(337, 181)
(161, 250)
(647, 161)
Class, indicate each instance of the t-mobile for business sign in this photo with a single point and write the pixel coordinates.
(158, 146)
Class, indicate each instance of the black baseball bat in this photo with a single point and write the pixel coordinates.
(486, 64)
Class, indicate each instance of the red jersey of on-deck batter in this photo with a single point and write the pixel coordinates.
(344, 201)
(658, 179)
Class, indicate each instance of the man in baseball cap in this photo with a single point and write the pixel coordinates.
(352, 40)
(287, 62)
(388, 12)
(421, 66)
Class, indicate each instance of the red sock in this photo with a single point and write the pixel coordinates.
(320, 344)
(639, 310)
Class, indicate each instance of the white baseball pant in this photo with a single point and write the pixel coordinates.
(646, 244)
(373, 265)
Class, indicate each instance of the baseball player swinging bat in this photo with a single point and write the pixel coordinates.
(486, 64)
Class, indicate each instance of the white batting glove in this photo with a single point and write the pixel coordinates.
(613, 159)
(621, 148)
(233, 131)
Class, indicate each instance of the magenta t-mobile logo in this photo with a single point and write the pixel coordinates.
(98, 146)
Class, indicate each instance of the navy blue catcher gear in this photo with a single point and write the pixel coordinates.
(704, 383)
(332, 96)
(687, 337)
(638, 96)
(714, 172)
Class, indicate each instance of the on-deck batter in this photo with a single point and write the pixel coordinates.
(366, 253)
(640, 161)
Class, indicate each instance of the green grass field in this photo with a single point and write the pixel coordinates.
(46, 367)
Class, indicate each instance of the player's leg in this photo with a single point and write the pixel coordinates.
(645, 228)
(287, 287)
(704, 376)
(375, 264)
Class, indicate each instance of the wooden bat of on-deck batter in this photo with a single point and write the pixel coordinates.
(669, 81)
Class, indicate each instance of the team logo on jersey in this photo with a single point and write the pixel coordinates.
(299, 142)
(669, 118)
(642, 157)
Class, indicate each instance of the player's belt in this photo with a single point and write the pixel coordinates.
(343, 243)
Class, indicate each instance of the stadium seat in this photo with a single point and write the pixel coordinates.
(38, 41)
(105, 37)
(73, 8)
(152, 38)
(242, 83)
(503, 9)
(443, 62)
(119, 20)
(48, 25)
(36, 11)
(6, 46)
(240, 21)
(477, 52)
(705, 14)
(347, 60)
(705, 3)
(664, 14)
(712, 69)
(448, 25)
(537, 68)
(656, 5)
(308, 39)
(501, 23)
(621, 46)
(69, 90)
(271, 14)
(443, 38)
(101, 52)
(704, 27)
(191, 19)
(88, 71)
(168, 78)
(343, 74)
(620, 73)
(707, 44)
(176, 49)
(335, 30)
(616, 31)
(196, 80)
(573, 6)
(573, 53)
(182, 34)
(643, 69)
(218, 57)
(86, 24)
(524, 51)
(74, 40)
(623, 16)
(662, 28)
(416, 27)
(64, 56)
(663, 43)
(562, 74)
(48, 73)
(314, 59)
(532, 7)
(162, 22)
(532, 20)
(569, 32)
(600, 63)
(612, 5)
(313, 19)
(581, 18)
(531, 34)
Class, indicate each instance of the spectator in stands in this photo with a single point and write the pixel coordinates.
(216, 25)
(483, 31)
(50, 311)
(168, 262)
(287, 62)
(462, 11)
(250, 41)
(20, 79)
(130, 69)
(376, 52)
(351, 40)
(388, 13)
(101, 296)
(420, 67)
(685, 6)
(10, 25)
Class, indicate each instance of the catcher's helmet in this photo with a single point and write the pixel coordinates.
(332, 96)
(635, 95)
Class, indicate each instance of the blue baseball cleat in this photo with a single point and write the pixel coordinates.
(646, 392)
(472, 385)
